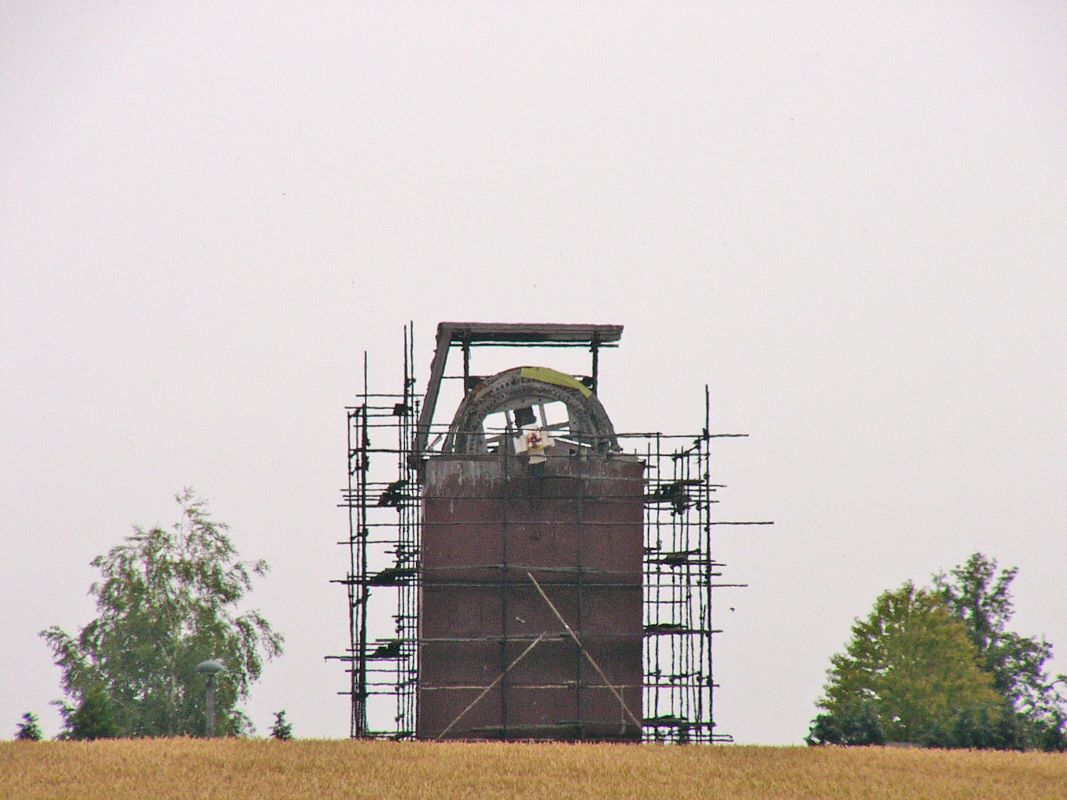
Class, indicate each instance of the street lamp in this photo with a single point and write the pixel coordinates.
(211, 668)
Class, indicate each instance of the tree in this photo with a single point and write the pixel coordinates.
(281, 730)
(850, 723)
(981, 597)
(92, 718)
(29, 730)
(167, 600)
(908, 675)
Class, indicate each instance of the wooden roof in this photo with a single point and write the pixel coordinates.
(528, 333)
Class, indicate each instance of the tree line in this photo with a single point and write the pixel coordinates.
(938, 666)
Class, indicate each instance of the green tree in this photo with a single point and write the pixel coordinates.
(908, 675)
(167, 600)
(29, 730)
(850, 723)
(93, 717)
(980, 596)
(282, 729)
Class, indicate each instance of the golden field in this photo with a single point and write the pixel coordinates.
(332, 770)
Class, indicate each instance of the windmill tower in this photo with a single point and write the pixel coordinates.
(518, 569)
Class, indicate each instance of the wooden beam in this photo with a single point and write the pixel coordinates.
(433, 388)
(525, 333)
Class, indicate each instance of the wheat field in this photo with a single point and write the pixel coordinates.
(184, 768)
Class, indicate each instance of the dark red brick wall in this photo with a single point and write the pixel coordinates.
(576, 525)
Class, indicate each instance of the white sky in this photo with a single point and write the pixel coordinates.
(848, 218)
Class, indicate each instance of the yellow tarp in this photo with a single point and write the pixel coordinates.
(548, 375)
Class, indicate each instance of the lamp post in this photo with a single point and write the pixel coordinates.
(211, 668)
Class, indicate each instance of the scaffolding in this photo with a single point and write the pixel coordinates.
(389, 439)
(383, 501)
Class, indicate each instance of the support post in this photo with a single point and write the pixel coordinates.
(595, 349)
(209, 713)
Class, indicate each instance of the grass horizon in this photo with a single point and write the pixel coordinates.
(263, 768)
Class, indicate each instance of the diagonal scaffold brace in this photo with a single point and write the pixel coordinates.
(577, 641)
(489, 688)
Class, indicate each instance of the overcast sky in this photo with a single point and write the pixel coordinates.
(847, 218)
